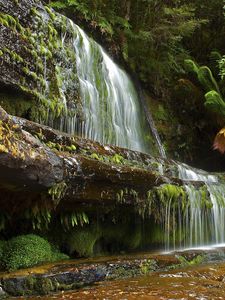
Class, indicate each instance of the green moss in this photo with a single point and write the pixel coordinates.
(194, 261)
(43, 48)
(117, 159)
(8, 20)
(148, 266)
(38, 285)
(170, 192)
(122, 272)
(43, 286)
(133, 237)
(26, 251)
(96, 156)
(122, 236)
(153, 234)
(17, 104)
(51, 13)
(82, 240)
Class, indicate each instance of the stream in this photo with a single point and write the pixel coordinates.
(193, 282)
(195, 279)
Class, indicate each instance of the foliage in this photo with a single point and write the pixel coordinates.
(214, 96)
(39, 217)
(82, 240)
(71, 220)
(149, 34)
(58, 191)
(169, 193)
(195, 261)
(148, 266)
(215, 102)
(26, 251)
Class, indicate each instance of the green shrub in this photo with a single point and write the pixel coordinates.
(28, 250)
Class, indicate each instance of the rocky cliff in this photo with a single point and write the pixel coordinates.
(35, 55)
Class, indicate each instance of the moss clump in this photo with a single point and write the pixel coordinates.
(26, 251)
(43, 286)
(82, 240)
(124, 236)
(148, 266)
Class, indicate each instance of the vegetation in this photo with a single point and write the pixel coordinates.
(149, 34)
(26, 251)
(165, 43)
(155, 40)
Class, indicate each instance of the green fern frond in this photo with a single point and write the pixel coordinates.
(207, 79)
(215, 102)
(215, 56)
(191, 66)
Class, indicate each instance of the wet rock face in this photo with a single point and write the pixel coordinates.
(69, 276)
(25, 162)
(35, 54)
(34, 156)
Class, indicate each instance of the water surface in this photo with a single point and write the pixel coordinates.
(205, 282)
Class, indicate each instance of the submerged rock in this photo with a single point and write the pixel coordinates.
(76, 274)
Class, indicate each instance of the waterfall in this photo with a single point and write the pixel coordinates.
(109, 110)
(203, 221)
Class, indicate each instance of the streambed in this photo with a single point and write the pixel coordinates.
(188, 274)
(193, 282)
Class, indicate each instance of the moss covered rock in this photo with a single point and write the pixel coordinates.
(27, 250)
(82, 240)
(34, 59)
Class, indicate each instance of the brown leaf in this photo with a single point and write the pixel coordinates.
(219, 142)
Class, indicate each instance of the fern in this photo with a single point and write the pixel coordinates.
(215, 57)
(207, 79)
(59, 4)
(222, 67)
(71, 220)
(191, 66)
(215, 102)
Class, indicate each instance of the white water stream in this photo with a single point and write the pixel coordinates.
(110, 111)
(203, 221)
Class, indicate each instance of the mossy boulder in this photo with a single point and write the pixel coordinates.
(28, 250)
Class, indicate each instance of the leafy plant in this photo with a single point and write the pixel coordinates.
(195, 261)
(214, 99)
(71, 220)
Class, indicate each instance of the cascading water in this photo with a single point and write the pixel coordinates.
(202, 221)
(110, 111)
